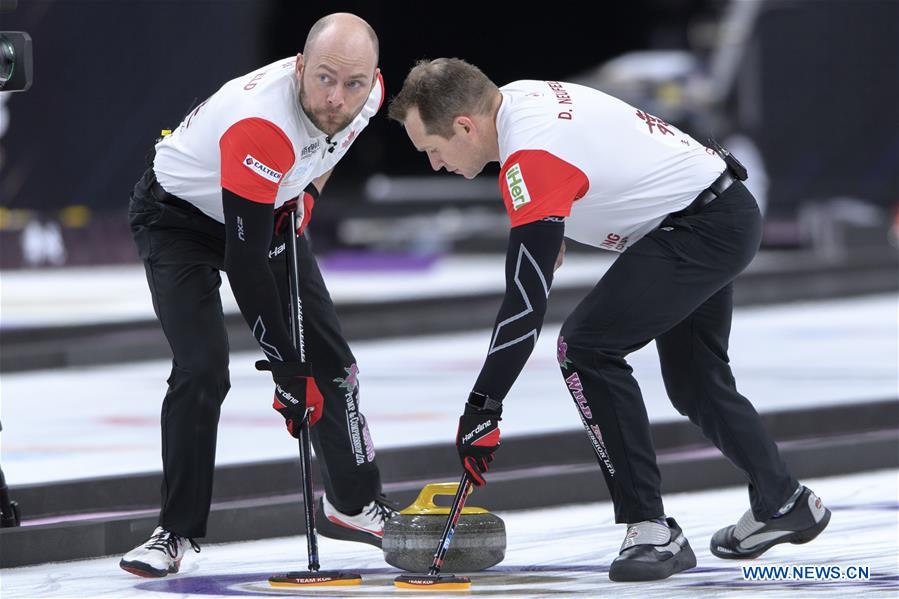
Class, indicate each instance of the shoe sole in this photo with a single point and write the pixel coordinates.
(633, 571)
(797, 538)
(146, 570)
(328, 529)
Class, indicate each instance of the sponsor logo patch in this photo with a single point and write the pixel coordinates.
(577, 392)
(360, 438)
(614, 242)
(277, 251)
(517, 189)
(262, 170)
(479, 428)
(309, 150)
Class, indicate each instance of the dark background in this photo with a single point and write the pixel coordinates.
(109, 74)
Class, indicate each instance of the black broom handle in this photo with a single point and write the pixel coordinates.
(296, 330)
(451, 521)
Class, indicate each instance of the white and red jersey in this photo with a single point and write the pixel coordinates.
(252, 138)
(613, 170)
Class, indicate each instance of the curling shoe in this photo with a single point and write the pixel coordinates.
(365, 527)
(799, 521)
(652, 551)
(160, 555)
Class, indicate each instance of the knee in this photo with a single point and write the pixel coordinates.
(682, 392)
(571, 344)
(575, 348)
(206, 375)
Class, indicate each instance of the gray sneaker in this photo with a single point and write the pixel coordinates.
(799, 523)
(652, 551)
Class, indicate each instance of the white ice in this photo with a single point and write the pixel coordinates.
(559, 552)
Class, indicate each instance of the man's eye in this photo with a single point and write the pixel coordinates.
(353, 84)
(324, 78)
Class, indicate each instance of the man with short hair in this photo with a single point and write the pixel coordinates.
(229, 176)
(581, 164)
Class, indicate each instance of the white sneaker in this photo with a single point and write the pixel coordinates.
(161, 554)
(365, 527)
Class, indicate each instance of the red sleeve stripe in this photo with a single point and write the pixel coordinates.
(255, 156)
(536, 184)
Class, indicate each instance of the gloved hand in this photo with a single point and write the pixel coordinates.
(296, 393)
(282, 213)
(478, 435)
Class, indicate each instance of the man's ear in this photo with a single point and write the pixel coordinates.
(464, 124)
(298, 70)
(374, 80)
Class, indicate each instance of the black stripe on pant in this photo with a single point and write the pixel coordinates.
(674, 286)
(183, 254)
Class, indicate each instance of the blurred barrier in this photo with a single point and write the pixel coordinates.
(773, 277)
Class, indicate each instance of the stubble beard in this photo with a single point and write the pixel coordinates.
(328, 129)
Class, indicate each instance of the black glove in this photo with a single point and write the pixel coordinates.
(296, 393)
(282, 213)
(478, 435)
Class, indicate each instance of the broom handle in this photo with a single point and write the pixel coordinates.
(296, 330)
(451, 521)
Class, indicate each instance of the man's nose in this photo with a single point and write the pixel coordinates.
(335, 98)
(436, 163)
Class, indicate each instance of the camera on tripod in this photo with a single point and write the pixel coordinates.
(16, 57)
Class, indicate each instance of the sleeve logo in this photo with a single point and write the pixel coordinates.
(517, 189)
(262, 170)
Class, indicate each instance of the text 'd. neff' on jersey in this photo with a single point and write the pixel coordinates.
(613, 170)
(253, 138)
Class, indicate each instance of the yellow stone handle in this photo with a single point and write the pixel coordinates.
(424, 503)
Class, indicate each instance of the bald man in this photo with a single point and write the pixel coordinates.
(218, 198)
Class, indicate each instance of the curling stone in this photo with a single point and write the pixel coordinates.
(411, 537)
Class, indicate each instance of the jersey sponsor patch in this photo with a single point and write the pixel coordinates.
(255, 155)
(517, 189)
(309, 150)
(552, 186)
(262, 170)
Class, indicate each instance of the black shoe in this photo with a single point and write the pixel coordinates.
(364, 527)
(800, 523)
(652, 551)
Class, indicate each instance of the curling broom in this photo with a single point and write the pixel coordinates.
(433, 581)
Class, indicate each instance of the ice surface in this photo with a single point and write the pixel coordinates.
(558, 552)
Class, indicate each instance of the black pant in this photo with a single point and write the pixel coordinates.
(183, 254)
(674, 286)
